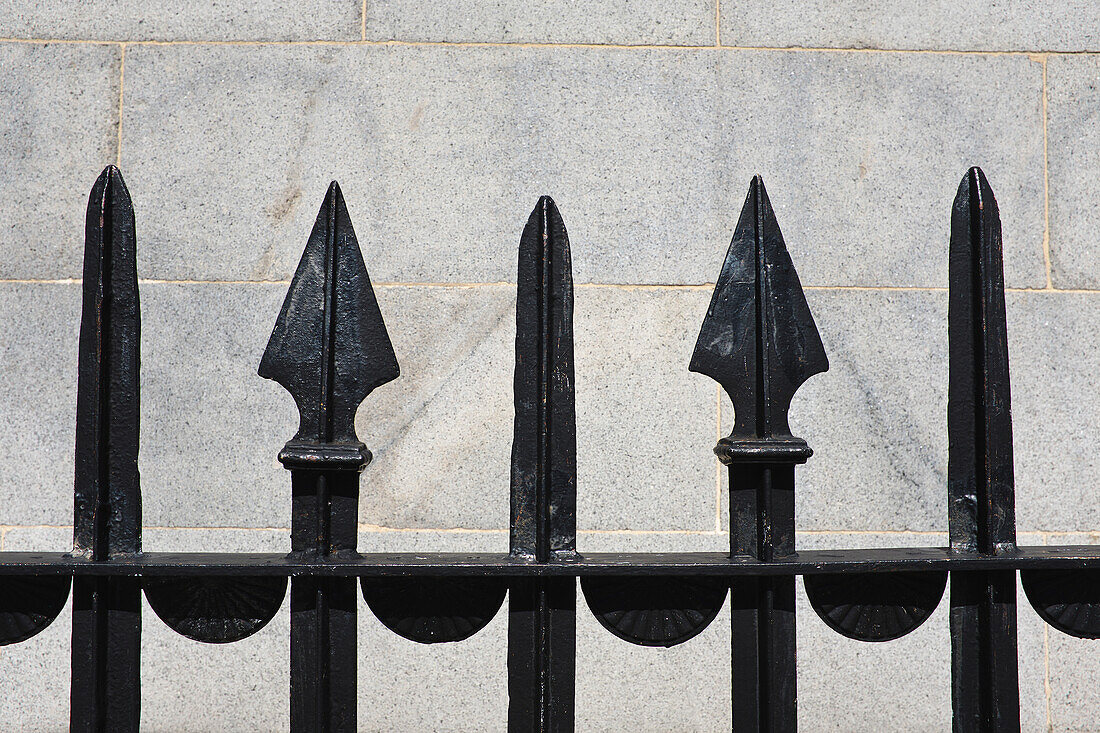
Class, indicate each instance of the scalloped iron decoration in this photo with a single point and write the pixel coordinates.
(875, 606)
(215, 609)
(654, 611)
(28, 605)
(434, 610)
(1068, 600)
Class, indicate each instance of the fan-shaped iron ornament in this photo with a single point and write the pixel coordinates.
(1068, 600)
(29, 605)
(216, 610)
(655, 611)
(875, 606)
(434, 610)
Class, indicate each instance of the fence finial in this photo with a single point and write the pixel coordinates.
(979, 416)
(108, 497)
(758, 340)
(544, 444)
(330, 348)
(760, 343)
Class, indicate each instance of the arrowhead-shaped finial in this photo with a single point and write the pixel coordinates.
(108, 496)
(982, 510)
(759, 340)
(330, 348)
(544, 445)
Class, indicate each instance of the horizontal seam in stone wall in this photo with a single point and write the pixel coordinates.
(583, 285)
(1035, 54)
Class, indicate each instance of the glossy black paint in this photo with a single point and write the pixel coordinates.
(105, 687)
(880, 561)
(542, 611)
(330, 349)
(759, 341)
(981, 493)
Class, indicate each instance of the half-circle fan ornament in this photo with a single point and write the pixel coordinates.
(875, 606)
(28, 605)
(1068, 600)
(655, 611)
(434, 610)
(217, 609)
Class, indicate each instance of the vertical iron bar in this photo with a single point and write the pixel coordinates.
(982, 515)
(323, 650)
(329, 349)
(759, 341)
(763, 642)
(542, 611)
(105, 687)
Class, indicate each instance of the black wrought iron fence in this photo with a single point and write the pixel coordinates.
(330, 349)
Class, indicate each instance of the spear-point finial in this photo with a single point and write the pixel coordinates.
(759, 340)
(544, 447)
(979, 416)
(108, 498)
(330, 348)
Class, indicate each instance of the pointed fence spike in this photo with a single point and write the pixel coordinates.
(759, 340)
(979, 414)
(108, 499)
(542, 611)
(330, 348)
(544, 446)
(981, 498)
(105, 684)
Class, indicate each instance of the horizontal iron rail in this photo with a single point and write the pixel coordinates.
(809, 562)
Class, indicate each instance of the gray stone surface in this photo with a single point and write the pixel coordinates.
(211, 428)
(645, 425)
(648, 153)
(35, 693)
(1072, 663)
(679, 22)
(58, 129)
(409, 687)
(441, 434)
(193, 20)
(441, 153)
(240, 686)
(1074, 133)
(1055, 406)
(1011, 25)
(38, 395)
